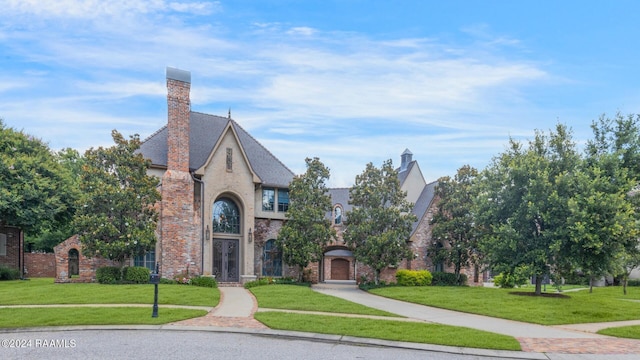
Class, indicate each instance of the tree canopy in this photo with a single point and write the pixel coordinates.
(523, 205)
(307, 229)
(454, 231)
(116, 217)
(36, 192)
(379, 225)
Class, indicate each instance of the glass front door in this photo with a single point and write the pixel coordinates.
(226, 260)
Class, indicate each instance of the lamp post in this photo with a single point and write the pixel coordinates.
(155, 280)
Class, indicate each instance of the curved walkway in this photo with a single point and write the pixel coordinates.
(532, 337)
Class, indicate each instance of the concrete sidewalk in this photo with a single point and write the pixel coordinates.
(448, 317)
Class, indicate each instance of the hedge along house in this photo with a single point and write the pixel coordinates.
(223, 194)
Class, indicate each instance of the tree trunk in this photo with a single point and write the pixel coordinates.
(300, 273)
(539, 284)
(624, 284)
(376, 277)
(590, 284)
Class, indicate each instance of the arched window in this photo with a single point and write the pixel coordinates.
(337, 215)
(226, 216)
(271, 259)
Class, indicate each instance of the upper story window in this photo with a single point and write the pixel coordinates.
(337, 215)
(226, 216)
(283, 200)
(268, 199)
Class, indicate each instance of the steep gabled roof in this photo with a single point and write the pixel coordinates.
(424, 202)
(204, 132)
(402, 175)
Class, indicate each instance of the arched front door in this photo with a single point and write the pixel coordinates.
(226, 240)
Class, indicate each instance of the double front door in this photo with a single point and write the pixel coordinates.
(226, 260)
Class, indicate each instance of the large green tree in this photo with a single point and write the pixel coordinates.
(379, 225)
(36, 193)
(614, 152)
(71, 161)
(307, 229)
(602, 221)
(116, 216)
(453, 221)
(524, 204)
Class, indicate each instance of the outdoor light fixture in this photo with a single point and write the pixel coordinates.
(206, 233)
(250, 235)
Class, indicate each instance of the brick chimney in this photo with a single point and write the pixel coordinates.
(179, 223)
(179, 107)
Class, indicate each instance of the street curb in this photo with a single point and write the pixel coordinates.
(295, 335)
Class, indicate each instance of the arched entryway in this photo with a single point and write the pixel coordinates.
(338, 264)
(74, 262)
(226, 223)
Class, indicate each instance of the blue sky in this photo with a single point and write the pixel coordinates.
(348, 81)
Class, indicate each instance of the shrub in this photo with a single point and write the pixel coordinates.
(167, 281)
(204, 281)
(8, 273)
(508, 281)
(448, 279)
(634, 282)
(135, 275)
(259, 282)
(413, 277)
(109, 275)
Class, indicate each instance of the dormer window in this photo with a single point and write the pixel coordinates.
(337, 215)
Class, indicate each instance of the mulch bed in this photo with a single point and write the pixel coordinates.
(544, 294)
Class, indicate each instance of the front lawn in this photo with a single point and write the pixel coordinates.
(68, 316)
(40, 291)
(417, 332)
(302, 298)
(603, 305)
(296, 297)
(630, 332)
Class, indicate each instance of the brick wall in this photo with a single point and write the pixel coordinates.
(13, 250)
(40, 264)
(86, 266)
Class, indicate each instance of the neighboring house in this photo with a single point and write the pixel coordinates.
(12, 247)
(224, 197)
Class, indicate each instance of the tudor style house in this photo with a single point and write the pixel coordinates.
(224, 198)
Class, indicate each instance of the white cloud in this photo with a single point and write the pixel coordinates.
(92, 9)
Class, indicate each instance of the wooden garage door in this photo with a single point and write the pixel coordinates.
(339, 269)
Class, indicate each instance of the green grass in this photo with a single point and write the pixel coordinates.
(44, 291)
(294, 297)
(35, 317)
(630, 332)
(603, 305)
(388, 330)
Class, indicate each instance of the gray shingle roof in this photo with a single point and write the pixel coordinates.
(422, 204)
(204, 132)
